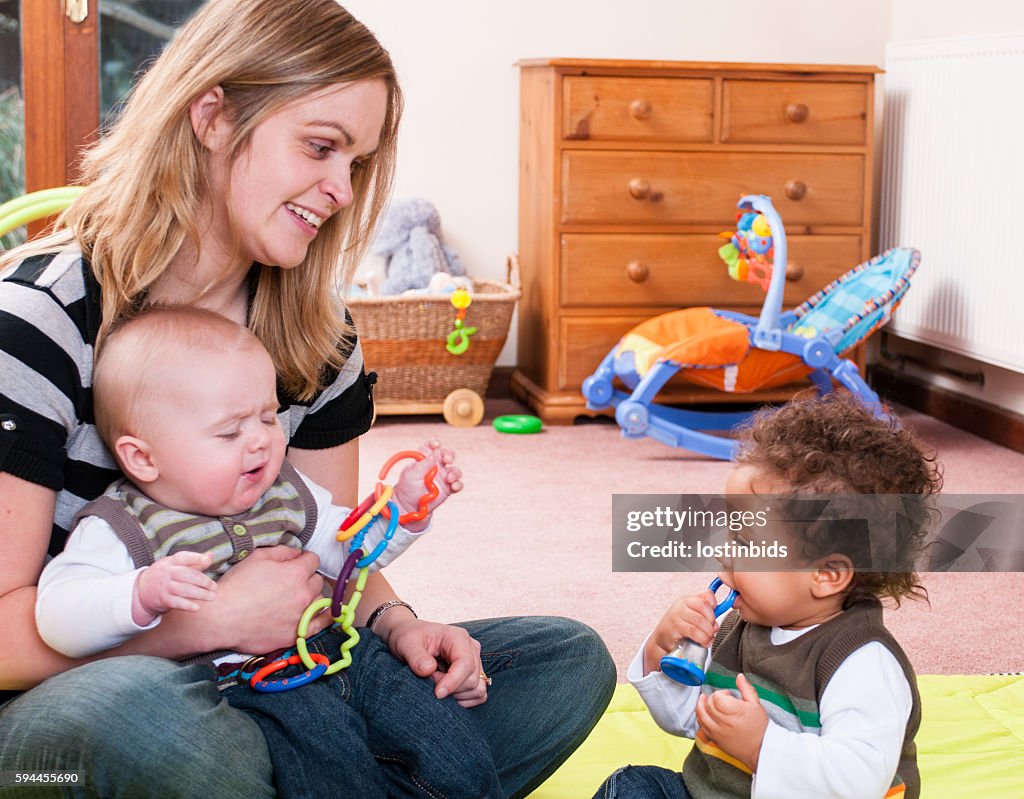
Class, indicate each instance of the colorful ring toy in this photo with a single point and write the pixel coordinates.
(399, 456)
(381, 496)
(428, 481)
(357, 511)
(263, 685)
(389, 533)
(307, 616)
(354, 527)
(339, 587)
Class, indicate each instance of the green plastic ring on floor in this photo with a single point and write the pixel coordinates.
(518, 423)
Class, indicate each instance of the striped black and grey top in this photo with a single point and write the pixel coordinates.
(49, 318)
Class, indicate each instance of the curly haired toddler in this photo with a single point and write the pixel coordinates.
(807, 693)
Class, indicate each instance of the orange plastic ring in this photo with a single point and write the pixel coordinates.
(398, 456)
(428, 481)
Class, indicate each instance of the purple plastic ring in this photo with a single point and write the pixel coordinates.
(343, 575)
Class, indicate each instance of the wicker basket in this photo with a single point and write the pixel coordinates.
(404, 337)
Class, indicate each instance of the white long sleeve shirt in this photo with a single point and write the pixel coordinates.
(864, 712)
(84, 601)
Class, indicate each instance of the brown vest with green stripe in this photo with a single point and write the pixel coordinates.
(790, 679)
(285, 514)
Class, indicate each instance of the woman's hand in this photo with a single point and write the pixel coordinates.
(446, 654)
(259, 602)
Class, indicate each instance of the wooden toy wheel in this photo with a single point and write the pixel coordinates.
(463, 408)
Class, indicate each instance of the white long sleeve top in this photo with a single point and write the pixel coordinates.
(864, 712)
(84, 601)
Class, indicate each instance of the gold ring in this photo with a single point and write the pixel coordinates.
(485, 678)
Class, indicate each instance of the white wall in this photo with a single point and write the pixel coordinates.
(943, 19)
(459, 144)
(459, 137)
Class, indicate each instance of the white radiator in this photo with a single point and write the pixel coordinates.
(953, 187)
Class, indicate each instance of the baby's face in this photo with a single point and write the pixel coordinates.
(215, 439)
(770, 598)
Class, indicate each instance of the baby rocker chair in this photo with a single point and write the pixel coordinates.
(734, 352)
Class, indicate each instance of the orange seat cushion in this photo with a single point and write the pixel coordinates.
(695, 336)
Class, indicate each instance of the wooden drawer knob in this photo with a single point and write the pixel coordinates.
(795, 189)
(640, 109)
(637, 271)
(797, 112)
(794, 272)
(639, 189)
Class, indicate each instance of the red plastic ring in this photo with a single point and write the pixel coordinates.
(358, 511)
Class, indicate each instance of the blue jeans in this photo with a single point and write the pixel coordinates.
(372, 729)
(147, 727)
(643, 782)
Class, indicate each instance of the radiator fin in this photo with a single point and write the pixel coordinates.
(952, 181)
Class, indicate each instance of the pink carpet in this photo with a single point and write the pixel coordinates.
(531, 534)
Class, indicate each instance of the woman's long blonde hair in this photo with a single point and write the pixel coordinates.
(145, 179)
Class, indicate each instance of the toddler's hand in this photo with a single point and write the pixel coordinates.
(691, 617)
(410, 487)
(736, 725)
(170, 584)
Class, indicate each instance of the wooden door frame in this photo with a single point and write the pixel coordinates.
(60, 84)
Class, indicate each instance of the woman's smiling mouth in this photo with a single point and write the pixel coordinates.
(307, 216)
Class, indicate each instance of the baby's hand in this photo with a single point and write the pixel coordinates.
(691, 617)
(170, 584)
(410, 486)
(736, 725)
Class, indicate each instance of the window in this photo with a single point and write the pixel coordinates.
(71, 66)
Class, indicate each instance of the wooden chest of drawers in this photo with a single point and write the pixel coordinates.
(630, 169)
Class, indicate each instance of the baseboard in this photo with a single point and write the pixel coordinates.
(966, 413)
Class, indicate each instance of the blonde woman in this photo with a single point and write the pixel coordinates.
(254, 155)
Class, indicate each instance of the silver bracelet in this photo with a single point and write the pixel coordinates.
(384, 608)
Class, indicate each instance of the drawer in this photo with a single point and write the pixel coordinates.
(585, 342)
(794, 112)
(702, 188)
(638, 109)
(682, 270)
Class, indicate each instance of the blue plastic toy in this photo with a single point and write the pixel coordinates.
(685, 663)
(736, 353)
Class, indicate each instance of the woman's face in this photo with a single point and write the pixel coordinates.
(296, 171)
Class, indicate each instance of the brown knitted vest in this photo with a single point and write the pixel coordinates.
(790, 679)
(285, 514)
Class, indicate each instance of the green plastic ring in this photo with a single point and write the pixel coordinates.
(518, 423)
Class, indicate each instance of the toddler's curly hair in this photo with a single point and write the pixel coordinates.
(836, 445)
